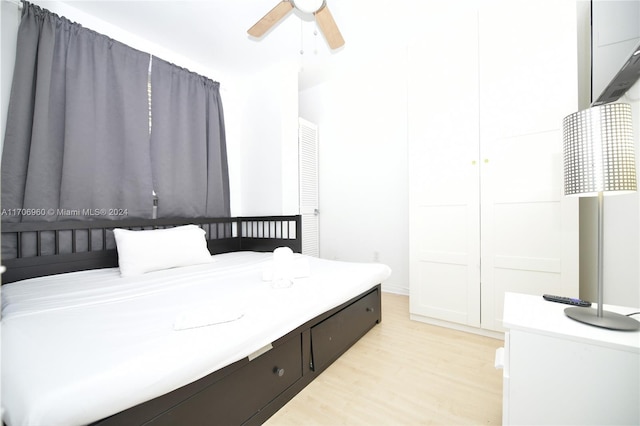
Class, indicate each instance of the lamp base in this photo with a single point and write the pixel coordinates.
(610, 320)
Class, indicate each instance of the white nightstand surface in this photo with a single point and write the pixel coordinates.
(533, 313)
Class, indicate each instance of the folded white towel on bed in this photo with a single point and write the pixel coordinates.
(285, 266)
(300, 269)
(204, 316)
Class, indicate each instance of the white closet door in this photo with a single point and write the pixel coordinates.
(528, 83)
(444, 247)
(487, 213)
(309, 203)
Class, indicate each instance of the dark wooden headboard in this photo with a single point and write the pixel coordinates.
(33, 249)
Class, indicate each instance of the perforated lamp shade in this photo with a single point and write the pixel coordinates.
(598, 151)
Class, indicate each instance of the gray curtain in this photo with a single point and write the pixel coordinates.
(78, 142)
(188, 144)
(77, 138)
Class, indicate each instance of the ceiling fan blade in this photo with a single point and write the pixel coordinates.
(329, 28)
(270, 19)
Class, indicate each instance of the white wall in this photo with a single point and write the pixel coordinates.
(363, 188)
(268, 155)
(359, 102)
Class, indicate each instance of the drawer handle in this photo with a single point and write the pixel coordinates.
(278, 371)
(369, 309)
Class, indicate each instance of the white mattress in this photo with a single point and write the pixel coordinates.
(79, 347)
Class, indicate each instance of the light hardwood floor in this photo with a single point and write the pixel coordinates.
(404, 372)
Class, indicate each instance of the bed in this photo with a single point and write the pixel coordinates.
(225, 341)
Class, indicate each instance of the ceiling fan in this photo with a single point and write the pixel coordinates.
(318, 8)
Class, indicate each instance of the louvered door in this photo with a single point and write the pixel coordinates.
(308, 151)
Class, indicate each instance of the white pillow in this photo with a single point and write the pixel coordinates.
(140, 252)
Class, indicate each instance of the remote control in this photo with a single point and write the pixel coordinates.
(567, 300)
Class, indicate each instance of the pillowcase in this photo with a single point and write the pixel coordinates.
(144, 251)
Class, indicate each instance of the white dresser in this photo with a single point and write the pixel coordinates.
(560, 371)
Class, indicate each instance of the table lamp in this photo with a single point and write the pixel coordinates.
(599, 160)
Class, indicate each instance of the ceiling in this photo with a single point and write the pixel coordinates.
(214, 32)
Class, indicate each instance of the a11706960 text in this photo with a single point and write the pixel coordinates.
(65, 212)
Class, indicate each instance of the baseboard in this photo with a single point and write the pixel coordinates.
(404, 291)
(460, 327)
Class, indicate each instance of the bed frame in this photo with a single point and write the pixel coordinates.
(246, 392)
(33, 249)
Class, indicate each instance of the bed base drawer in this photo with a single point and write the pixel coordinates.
(233, 400)
(334, 335)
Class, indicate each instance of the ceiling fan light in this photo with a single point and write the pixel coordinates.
(308, 6)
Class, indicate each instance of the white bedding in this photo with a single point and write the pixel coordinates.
(79, 347)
